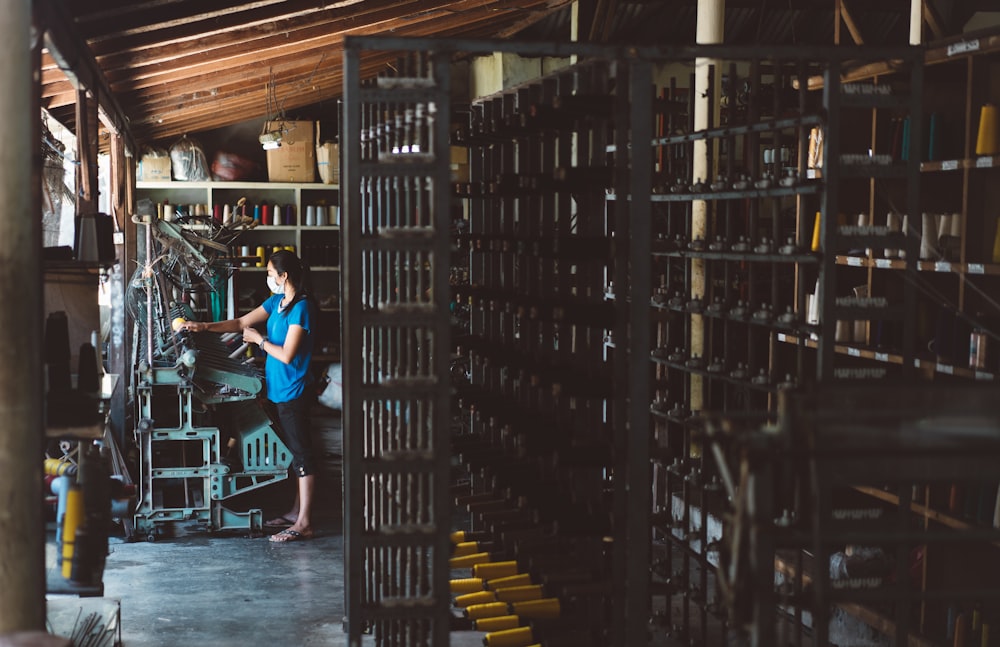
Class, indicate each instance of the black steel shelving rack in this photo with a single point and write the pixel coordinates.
(587, 395)
(396, 360)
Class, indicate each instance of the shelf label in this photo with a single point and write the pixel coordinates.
(963, 47)
(976, 268)
(859, 373)
(882, 357)
(950, 165)
(866, 89)
(884, 263)
(946, 369)
(855, 261)
(942, 266)
(862, 302)
(853, 352)
(984, 162)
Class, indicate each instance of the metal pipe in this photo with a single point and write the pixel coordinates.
(22, 551)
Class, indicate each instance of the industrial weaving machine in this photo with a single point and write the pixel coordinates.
(203, 436)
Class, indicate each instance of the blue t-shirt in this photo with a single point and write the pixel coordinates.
(286, 382)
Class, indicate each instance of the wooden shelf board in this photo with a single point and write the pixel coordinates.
(891, 358)
(237, 185)
(877, 621)
(945, 267)
(918, 508)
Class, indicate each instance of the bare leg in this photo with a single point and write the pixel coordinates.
(303, 505)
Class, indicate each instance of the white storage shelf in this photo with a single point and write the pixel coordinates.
(319, 246)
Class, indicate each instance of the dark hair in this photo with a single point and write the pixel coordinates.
(284, 262)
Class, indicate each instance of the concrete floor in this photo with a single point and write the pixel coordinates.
(230, 590)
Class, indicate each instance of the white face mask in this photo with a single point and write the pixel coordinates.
(272, 284)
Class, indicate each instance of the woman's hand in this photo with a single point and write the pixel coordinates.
(179, 324)
(252, 335)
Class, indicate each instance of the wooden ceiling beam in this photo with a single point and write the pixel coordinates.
(208, 115)
(69, 50)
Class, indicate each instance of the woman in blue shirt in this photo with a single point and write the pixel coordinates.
(288, 346)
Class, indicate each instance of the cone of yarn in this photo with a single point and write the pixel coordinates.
(988, 138)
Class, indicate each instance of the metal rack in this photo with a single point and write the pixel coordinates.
(395, 352)
(585, 363)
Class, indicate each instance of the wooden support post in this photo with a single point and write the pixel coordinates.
(22, 532)
(86, 150)
(916, 22)
(711, 23)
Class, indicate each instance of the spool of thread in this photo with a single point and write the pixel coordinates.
(227, 215)
(905, 228)
(168, 212)
(996, 510)
(943, 225)
(816, 231)
(289, 214)
(497, 623)
(928, 236)
(217, 213)
(260, 256)
(72, 519)
(256, 213)
(842, 331)
(310, 216)
(988, 137)
(265, 214)
(516, 637)
(333, 215)
(320, 216)
(892, 224)
(244, 252)
(466, 585)
(995, 257)
(977, 349)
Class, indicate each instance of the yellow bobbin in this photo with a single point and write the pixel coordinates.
(520, 593)
(488, 610)
(536, 609)
(469, 561)
(466, 585)
(493, 570)
(518, 637)
(496, 623)
(988, 138)
(479, 597)
(815, 240)
(465, 548)
(72, 518)
(57, 467)
(521, 579)
(457, 537)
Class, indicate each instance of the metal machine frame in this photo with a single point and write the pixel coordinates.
(203, 437)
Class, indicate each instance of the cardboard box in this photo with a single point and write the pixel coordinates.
(153, 169)
(295, 159)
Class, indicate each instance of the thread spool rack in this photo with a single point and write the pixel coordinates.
(599, 285)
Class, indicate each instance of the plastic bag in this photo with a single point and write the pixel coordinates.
(230, 167)
(187, 161)
(332, 395)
